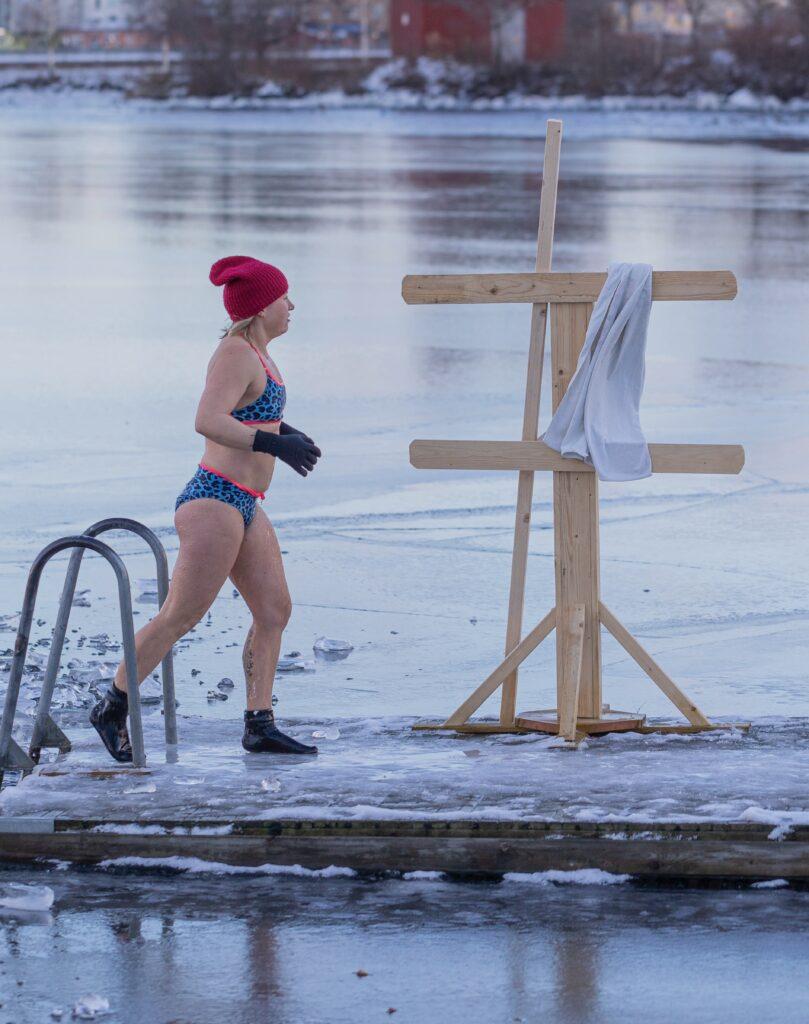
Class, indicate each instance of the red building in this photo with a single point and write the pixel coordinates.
(477, 30)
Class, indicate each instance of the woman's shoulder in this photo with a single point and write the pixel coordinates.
(233, 352)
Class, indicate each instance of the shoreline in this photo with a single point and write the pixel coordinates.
(705, 118)
(740, 101)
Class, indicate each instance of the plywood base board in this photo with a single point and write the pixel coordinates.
(610, 721)
(478, 728)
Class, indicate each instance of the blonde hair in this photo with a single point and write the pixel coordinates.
(239, 327)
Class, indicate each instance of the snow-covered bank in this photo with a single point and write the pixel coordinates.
(431, 84)
(701, 116)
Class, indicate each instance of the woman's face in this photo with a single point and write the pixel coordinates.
(276, 316)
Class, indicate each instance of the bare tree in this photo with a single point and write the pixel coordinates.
(800, 8)
(757, 11)
(697, 11)
(627, 8)
(224, 42)
(590, 25)
(31, 17)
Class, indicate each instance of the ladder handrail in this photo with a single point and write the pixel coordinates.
(42, 724)
(11, 755)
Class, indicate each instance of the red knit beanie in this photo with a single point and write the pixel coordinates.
(250, 285)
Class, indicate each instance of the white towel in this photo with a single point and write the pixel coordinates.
(598, 419)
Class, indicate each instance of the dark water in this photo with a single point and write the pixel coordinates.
(204, 950)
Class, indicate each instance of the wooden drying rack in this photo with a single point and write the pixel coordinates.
(579, 612)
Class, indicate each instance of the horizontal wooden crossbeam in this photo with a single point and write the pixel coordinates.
(537, 456)
(667, 285)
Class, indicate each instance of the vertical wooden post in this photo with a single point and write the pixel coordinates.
(575, 510)
(530, 428)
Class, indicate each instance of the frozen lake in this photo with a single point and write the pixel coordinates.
(112, 220)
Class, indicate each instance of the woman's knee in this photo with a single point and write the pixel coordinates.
(275, 616)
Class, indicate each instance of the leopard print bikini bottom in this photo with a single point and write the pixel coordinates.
(208, 483)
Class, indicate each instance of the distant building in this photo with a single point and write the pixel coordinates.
(343, 24)
(81, 24)
(671, 17)
(478, 30)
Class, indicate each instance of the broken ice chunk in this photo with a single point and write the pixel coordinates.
(80, 600)
(16, 896)
(329, 649)
(332, 733)
(147, 787)
(151, 691)
(147, 591)
(271, 785)
(289, 665)
(225, 684)
(91, 1007)
(102, 642)
(216, 695)
(87, 673)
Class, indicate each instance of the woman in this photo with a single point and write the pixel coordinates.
(223, 533)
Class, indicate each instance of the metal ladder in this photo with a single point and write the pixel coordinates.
(46, 733)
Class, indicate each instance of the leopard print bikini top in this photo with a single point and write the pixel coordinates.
(269, 406)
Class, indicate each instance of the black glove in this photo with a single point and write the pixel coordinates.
(294, 449)
(286, 428)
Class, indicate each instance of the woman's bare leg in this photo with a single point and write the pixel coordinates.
(211, 534)
(258, 575)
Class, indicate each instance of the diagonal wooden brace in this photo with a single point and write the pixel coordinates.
(530, 424)
(651, 668)
(528, 644)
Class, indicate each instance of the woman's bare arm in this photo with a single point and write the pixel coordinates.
(227, 381)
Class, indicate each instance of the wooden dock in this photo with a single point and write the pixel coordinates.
(716, 852)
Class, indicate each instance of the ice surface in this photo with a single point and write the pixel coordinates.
(380, 769)
(16, 896)
(582, 876)
(193, 865)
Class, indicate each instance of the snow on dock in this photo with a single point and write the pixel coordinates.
(381, 797)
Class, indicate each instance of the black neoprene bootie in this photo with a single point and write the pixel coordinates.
(108, 718)
(262, 736)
